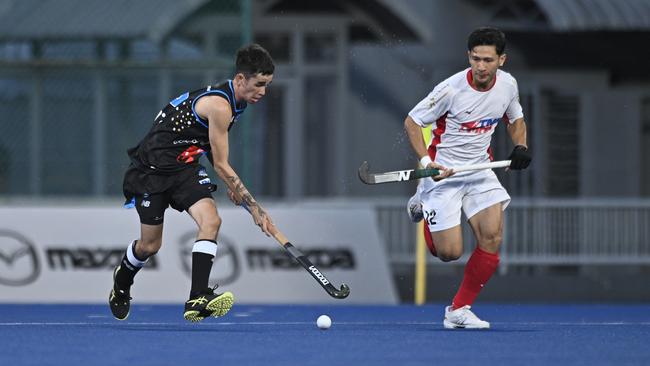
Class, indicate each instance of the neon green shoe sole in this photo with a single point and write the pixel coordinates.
(217, 307)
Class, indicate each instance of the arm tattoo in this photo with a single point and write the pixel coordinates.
(246, 197)
(238, 187)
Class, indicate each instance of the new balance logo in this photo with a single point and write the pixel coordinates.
(404, 175)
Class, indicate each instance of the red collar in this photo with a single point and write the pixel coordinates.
(470, 81)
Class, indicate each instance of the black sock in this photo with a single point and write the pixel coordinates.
(203, 254)
(128, 269)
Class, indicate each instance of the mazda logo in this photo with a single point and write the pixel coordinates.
(19, 264)
(225, 268)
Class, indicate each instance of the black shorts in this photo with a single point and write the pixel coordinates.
(151, 194)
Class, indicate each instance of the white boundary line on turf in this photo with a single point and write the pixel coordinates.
(127, 323)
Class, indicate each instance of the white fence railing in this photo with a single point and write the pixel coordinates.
(549, 231)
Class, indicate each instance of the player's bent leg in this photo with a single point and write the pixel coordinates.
(151, 210)
(135, 257)
(441, 209)
(448, 243)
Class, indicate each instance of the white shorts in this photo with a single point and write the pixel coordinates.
(475, 191)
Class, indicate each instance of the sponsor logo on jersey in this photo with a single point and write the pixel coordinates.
(481, 126)
(192, 141)
(191, 154)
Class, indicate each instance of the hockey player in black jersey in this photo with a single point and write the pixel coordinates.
(165, 171)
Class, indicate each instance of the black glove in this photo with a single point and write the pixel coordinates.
(519, 158)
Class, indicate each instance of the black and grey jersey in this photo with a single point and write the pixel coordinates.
(179, 136)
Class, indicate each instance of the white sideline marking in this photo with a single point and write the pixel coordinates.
(506, 324)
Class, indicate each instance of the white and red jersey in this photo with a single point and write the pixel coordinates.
(465, 118)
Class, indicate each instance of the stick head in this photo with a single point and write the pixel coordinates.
(364, 174)
(339, 294)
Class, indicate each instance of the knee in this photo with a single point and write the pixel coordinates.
(450, 255)
(491, 241)
(147, 248)
(211, 226)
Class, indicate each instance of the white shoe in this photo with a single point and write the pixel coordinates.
(463, 318)
(414, 208)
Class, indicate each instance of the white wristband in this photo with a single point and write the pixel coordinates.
(425, 161)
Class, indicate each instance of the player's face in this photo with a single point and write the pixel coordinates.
(484, 62)
(253, 89)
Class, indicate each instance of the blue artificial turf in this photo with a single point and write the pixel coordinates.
(360, 335)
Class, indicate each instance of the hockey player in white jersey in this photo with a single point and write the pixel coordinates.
(465, 109)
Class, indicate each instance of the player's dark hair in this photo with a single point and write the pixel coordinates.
(254, 59)
(487, 36)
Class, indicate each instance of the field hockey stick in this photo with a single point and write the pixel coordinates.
(296, 254)
(412, 174)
